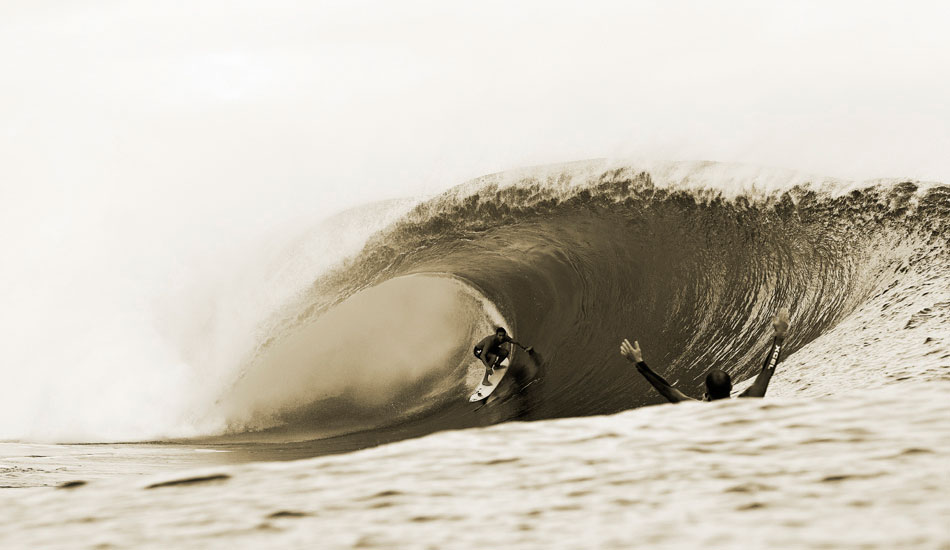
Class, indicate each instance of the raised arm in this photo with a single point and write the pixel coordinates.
(633, 354)
(761, 384)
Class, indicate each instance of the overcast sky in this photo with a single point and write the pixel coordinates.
(358, 99)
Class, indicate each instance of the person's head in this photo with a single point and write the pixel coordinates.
(500, 332)
(718, 385)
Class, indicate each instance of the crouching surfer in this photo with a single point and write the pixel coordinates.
(718, 382)
(492, 353)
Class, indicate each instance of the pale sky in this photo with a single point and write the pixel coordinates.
(346, 101)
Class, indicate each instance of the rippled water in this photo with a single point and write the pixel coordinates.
(869, 469)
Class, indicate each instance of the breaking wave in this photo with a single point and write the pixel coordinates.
(690, 259)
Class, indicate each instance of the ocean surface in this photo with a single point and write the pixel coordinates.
(345, 423)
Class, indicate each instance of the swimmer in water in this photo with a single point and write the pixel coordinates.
(718, 382)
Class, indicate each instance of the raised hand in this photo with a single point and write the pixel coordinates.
(631, 353)
(780, 323)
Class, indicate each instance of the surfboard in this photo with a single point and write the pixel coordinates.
(482, 391)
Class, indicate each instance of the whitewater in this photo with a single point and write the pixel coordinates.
(341, 419)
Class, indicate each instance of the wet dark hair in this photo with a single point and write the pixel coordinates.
(718, 384)
(501, 330)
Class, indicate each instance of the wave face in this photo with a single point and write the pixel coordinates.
(691, 260)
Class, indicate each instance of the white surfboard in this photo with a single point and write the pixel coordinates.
(483, 391)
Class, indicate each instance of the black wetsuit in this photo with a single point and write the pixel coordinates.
(757, 389)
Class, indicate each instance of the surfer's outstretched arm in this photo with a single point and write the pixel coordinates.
(761, 384)
(633, 354)
(511, 340)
